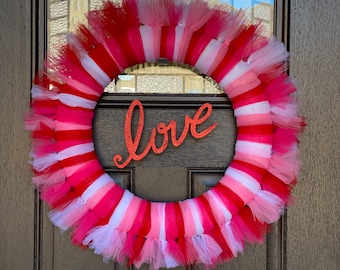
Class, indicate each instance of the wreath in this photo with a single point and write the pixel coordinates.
(208, 229)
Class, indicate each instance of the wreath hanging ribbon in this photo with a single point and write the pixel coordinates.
(211, 228)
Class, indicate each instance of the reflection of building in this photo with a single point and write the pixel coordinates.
(265, 13)
(65, 15)
(261, 10)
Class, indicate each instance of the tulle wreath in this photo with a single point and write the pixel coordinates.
(211, 228)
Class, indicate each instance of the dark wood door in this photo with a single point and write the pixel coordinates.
(311, 238)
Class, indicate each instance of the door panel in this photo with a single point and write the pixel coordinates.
(156, 174)
(176, 174)
(161, 184)
(109, 130)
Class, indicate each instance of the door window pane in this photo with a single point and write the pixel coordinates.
(161, 77)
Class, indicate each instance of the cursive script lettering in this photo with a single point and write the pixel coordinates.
(132, 144)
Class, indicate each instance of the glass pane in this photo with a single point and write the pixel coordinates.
(161, 77)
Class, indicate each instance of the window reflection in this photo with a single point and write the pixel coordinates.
(65, 15)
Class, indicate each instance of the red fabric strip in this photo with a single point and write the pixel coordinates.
(126, 48)
(142, 223)
(87, 181)
(170, 221)
(164, 41)
(256, 129)
(208, 220)
(243, 39)
(197, 44)
(229, 61)
(43, 132)
(135, 38)
(73, 70)
(68, 89)
(65, 135)
(179, 220)
(253, 230)
(230, 199)
(273, 184)
(70, 196)
(104, 61)
(145, 224)
(68, 162)
(258, 90)
(61, 145)
(254, 171)
(89, 170)
(226, 254)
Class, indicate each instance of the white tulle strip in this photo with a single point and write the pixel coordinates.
(105, 240)
(75, 101)
(48, 179)
(76, 150)
(157, 254)
(254, 148)
(120, 210)
(179, 31)
(95, 71)
(84, 88)
(41, 93)
(285, 113)
(261, 107)
(88, 63)
(245, 179)
(266, 206)
(207, 249)
(41, 163)
(196, 216)
(161, 210)
(95, 186)
(221, 212)
(208, 56)
(235, 246)
(66, 217)
(148, 45)
(268, 56)
(238, 70)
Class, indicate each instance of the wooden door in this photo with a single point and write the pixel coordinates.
(176, 174)
(306, 238)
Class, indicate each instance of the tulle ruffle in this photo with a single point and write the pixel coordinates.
(209, 229)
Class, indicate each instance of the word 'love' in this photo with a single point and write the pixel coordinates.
(132, 142)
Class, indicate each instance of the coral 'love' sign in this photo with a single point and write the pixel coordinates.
(169, 130)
